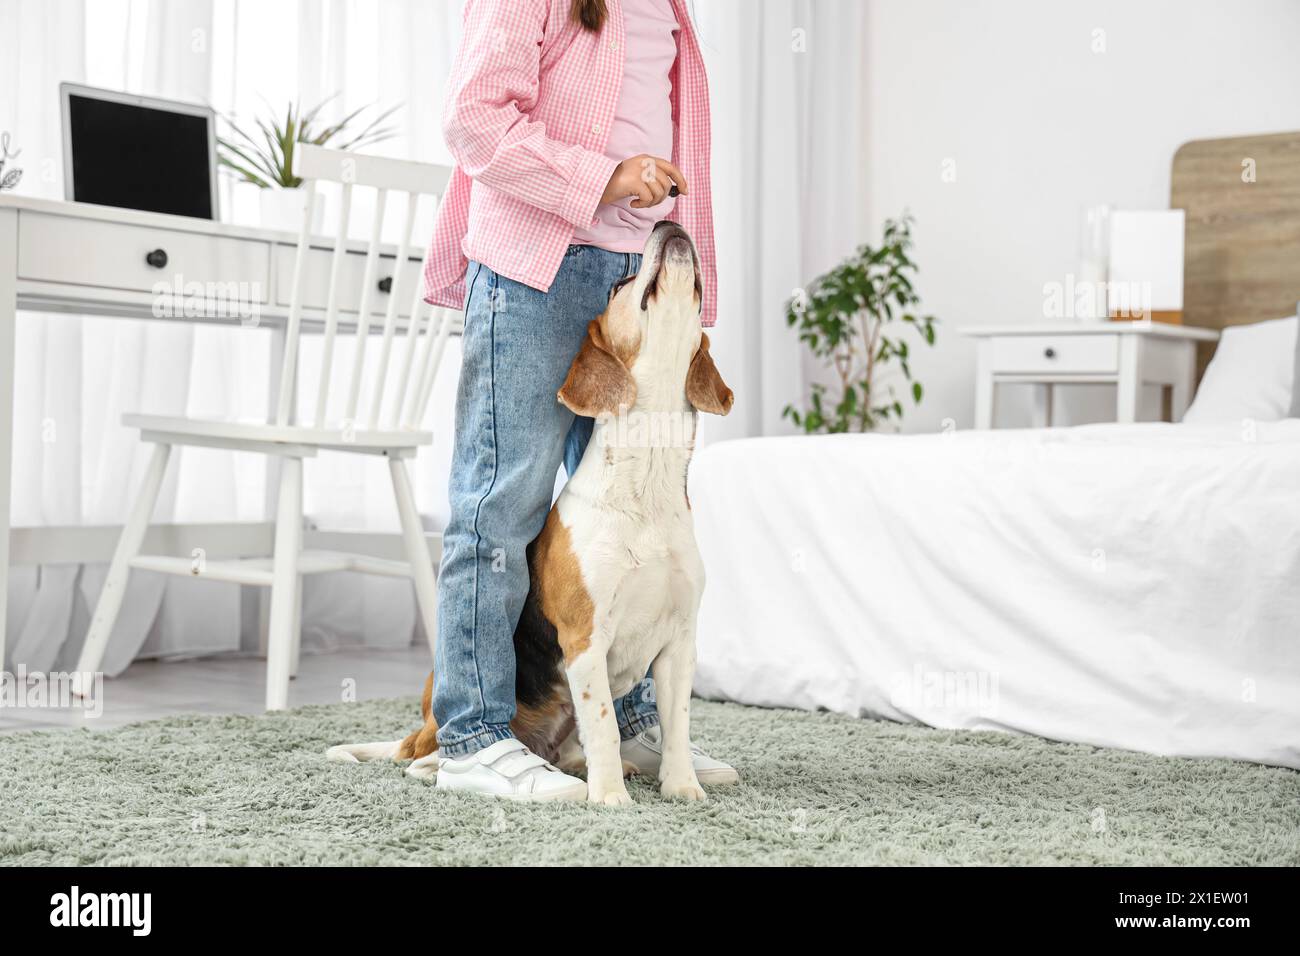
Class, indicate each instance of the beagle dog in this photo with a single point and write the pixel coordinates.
(615, 574)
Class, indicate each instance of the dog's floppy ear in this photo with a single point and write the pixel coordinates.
(598, 382)
(705, 388)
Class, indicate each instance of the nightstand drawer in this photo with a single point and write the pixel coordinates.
(1067, 354)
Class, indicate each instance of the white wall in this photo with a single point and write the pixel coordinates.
(1040, 126)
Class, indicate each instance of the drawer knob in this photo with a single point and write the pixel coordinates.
(157, 258)
(386, 284)
(1049, 352)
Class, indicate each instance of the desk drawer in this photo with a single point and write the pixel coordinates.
(316, 286)
(1068, 354)
(112, 255)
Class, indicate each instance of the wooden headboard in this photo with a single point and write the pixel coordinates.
(1242, 254)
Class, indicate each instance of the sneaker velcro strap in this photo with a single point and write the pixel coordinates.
(492, 753)
(511, 761)
(512, 765)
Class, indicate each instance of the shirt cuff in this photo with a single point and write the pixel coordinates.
(586, 188)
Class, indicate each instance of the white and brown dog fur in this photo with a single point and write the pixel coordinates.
(615, 574)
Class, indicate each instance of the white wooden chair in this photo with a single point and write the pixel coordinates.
(401, 387)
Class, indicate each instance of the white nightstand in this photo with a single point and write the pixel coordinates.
(1125, 354)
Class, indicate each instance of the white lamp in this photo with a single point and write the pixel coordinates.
(1146, 265)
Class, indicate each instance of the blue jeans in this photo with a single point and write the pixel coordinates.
(511, 436)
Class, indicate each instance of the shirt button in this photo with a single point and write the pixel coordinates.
(595, 128)
(613, 44)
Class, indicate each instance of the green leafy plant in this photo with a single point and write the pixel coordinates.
(858, 319)
(265, 157)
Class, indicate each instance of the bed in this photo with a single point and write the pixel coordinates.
(1132, 586)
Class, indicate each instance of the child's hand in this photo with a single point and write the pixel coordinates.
(648, 178)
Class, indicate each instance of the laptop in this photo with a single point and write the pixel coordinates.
(138, 152)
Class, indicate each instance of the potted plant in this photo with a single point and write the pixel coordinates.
(858, 320)
(266, 158)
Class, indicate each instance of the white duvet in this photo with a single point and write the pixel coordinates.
(1133, 586)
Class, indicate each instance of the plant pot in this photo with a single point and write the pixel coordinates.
(282, 209)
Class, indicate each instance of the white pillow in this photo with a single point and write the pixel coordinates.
(1252, 375)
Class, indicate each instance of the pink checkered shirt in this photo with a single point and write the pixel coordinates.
(528, 110)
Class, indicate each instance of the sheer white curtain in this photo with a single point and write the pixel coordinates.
(74, 463)
(785, 80)
(787, 120)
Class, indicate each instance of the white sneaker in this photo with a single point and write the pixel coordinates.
(642, 754)
(509, 770)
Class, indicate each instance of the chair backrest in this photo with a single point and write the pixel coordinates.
(403, 405)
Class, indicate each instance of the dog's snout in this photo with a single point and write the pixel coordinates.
(669, 256)
(666, 229)
(679, 245)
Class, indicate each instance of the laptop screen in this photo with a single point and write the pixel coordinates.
(139, 157)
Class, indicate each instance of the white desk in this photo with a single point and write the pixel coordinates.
(79, 258)
(1127, 355)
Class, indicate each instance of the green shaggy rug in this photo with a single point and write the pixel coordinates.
(819, 789)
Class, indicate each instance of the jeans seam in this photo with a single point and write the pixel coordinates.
(478, 508)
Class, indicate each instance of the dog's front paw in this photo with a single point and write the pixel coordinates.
(610, 796)
(683, 790)
(425, 767)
